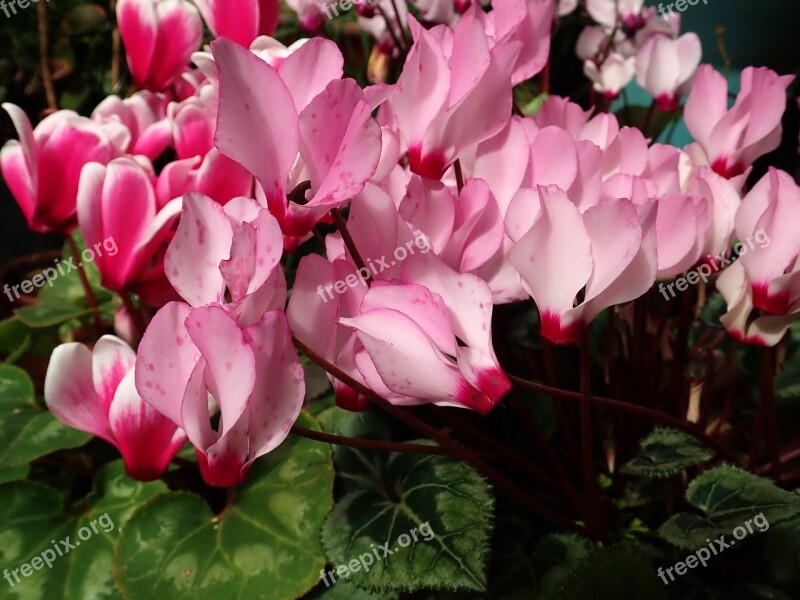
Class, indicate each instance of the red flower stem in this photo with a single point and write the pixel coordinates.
(341, 224)
(91, 300)
(647, 413)
(454, 448)
(459, 175)
(538, 439)
(587, 456)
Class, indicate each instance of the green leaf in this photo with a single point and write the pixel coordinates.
(14, 335)
(344, 590)
(728, 497)
(667, 452)
(621, 572)
(26, 430)
(65, 300)
(13, 473)
(440, 509)
(533, 106)
(264, 544)
(35, 521)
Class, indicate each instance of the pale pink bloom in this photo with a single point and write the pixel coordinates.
(769, 212)
(454, 93)
(267, 117)
(610, 77)
(228, 256)
(310, 14)
(437, 11)
(94, 391)
(466, 230)
(268, 49)
(627, 13)
(240, 20)
(213, 175)
(43, 168)
(730, 140)
(681, 225)
(139, 229)
(526, 21)
(723, 201)
(144, 115)
(159, 37)
(343, 325)
(575, 264)
(193, 363)
(761, 329)
(194, 121)
(665, 67)
(592, 43)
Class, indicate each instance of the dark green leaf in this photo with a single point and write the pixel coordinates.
(394, 498)
(728, 497)
(265, 544)
(26, 430)
(667, 452)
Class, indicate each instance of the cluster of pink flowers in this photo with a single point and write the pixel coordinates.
(567, 208)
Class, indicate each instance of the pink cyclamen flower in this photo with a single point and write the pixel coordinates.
(575, 264)
(144, 115)
(665, 67)
(612, 75)
(43, 168)
(627, 13)
(730, 140)
(453, 93)
(117, 206)
(770, 210)
(94, 391)
(228, 256)
(193, 363)
(159, 38)
(267, 117)
(526, 21)
(240, 20)
(762, 288)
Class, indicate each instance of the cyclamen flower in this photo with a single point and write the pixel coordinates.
(240, 20)
(453, 94)
(229, 349)
(195, 362)
(730, 140)
(416, 312)
(140, 229)
(159, 37)
(575, 264)
(144, 115)
(665, 67)
(612, 75)
(43, 168)
(267, 117)
(94, 391)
